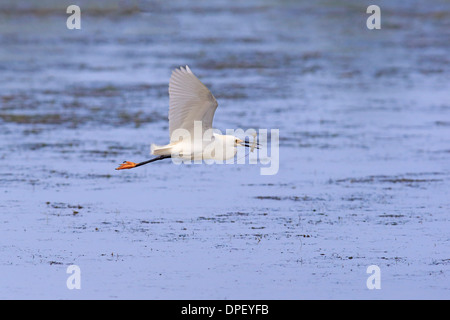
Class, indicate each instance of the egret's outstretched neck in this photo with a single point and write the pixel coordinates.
(222, 136)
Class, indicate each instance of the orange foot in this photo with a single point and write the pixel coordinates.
(126, 165)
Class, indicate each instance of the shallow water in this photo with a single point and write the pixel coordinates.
(364, 120)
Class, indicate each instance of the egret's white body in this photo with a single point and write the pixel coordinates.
(191, 112)
(219, 147)
(190, 101)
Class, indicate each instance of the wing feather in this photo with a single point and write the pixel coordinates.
(189, 100)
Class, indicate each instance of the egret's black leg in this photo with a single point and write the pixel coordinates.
(153, 160)
(130, 165)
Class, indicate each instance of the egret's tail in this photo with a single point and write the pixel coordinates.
(160, 150)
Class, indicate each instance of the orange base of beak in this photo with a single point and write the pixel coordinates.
(126, 165)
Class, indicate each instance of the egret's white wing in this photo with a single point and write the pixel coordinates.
(189, 101)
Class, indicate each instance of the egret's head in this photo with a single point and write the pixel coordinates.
(238, 142)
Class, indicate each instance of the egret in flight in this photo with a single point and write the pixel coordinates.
(190, 104)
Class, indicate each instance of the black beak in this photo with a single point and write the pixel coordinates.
(249, 144)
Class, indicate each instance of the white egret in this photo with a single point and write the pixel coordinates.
(190, 104)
